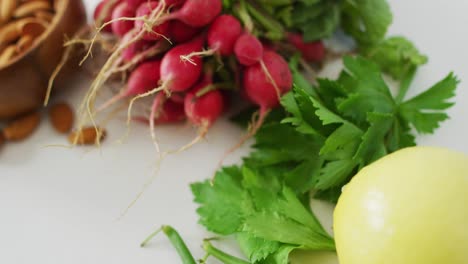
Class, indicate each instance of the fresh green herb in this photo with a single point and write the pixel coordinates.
(316, 19)
(366, 21)
(360, 120)
(241, 200)
(396, 56)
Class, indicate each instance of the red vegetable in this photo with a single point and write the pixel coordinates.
(100, 17)
(259, 88)
(166, 111)
(121, 27)
(197, 13)
(134, 3)
(180, 32)
(223, 33)
(248, 49)
(159, 30)
(144, 78)
(135, 48)
(312, 51)
(178, 76)
(205, 109)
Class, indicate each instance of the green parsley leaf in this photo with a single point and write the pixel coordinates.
(316, 19)
(257, 196)
(281, 256)
(256, 249)
(366, 21)
(425, 111)
(360, 125)
(396, 56)
(221, 210)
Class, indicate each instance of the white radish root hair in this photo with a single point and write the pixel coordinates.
(270, 79)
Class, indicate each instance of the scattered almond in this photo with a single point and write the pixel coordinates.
(87, 136)
(22, 127)
(61, 116)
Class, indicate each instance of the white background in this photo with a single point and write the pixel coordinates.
(61, 206)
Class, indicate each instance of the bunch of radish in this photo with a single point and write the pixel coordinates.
(189, 55)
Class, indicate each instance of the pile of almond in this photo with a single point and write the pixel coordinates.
(61, 117)
(21, 23)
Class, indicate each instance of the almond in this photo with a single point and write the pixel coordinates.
(24, 43)
(22, 127)
(29, 8)
(9, 32)
(31, 26)
(61, 116)
(7, 54)
(44, 15)
(7, 8)
(87, 136)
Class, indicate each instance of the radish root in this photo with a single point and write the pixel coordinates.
(201, 135)
(63, 60)
(147, 184)
(156, 109)
(270, 79)
(204, 53)
(251, 131)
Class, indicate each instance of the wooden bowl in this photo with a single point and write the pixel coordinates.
(23, 82)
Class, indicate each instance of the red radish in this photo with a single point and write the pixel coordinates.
(134, 3)
(221, 37)
(223, 33)
(165, 111)
(135, 48)
(268, 47)
(173, 3)
(144, 78)
(180, 32)
(202, 110)
(197, 13)
(176, 75)
(311, 52)
(159, 30)
(169, 112)
(248, 49)
(121, 27)
(260, 90)
(205, 109)
(178, 97)
(103, 13)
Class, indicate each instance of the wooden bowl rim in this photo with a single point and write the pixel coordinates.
(58, 17)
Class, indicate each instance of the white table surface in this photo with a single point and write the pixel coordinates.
(59, 206)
